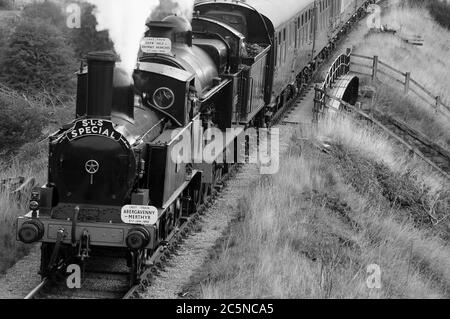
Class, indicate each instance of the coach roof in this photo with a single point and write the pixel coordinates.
(278, 12)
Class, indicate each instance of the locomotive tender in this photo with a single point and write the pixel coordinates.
(113, 187)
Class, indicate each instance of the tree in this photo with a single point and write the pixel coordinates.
(6, 4)
(37, 57)
(87, 38)
(49, 11)
(20, 122)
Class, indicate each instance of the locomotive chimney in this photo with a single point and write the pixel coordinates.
(82, 85)
(100, 83)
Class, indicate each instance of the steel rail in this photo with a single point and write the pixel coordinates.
(386, 129)
(163, 253)
(32, 294)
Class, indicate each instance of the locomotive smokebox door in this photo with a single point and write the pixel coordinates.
(165, 89)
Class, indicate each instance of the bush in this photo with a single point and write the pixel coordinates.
(6, 4)
(37, 57)
(20, 123)
(49, 11)
(439, 10)
(87, 38)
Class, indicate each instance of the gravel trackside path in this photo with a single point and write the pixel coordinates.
(195, 250)
(22, 277)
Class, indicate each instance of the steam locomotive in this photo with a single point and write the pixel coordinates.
(114, 185)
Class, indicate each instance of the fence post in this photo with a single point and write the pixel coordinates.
(315, 105)
(375, 67)
(407, 80)
(438, 102)
(347, 67)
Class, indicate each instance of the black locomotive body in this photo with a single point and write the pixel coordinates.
(115, 183)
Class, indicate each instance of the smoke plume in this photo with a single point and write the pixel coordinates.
(125, 20)
(165, 8)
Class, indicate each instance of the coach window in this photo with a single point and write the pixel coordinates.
(294, 28)
(301, 29)
(291, 33)
(296, 33)
(320, 15)
(304, 31)
(275, 50)
(311, 23)
(279, 48)
(284, 44)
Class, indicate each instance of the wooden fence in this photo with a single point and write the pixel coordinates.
(373, 67)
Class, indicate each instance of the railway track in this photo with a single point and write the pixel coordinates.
(104, 278)
(113, 282)
(434, 154)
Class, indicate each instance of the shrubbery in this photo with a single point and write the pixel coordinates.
(38, 58)
(20, 122)
(42, 53)
(39, 55)
(439, 10)
(87, 38)
(49, 11)
(5, 4)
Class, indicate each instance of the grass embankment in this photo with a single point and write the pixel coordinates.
(22, 123)
(11, 207)
(312, 230)
(438, 9)
(429, 65)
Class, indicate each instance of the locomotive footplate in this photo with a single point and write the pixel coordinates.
(89, 234)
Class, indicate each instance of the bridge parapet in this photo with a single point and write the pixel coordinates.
(339, 83)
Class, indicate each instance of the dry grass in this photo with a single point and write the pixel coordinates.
(310, 232)
(391, 101)
(429, 65)
(30, 160)
(10, 207)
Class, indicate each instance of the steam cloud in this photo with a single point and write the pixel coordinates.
(125, 20)
(165, 8)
